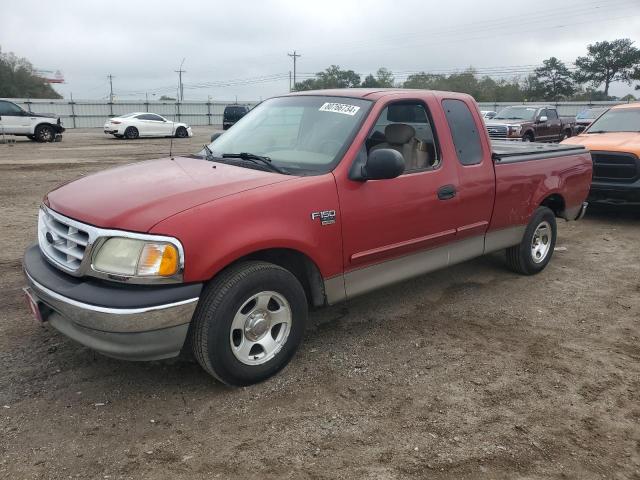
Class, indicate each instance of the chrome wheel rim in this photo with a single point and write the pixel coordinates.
(260, 328)
(541, 242)
(45, 135)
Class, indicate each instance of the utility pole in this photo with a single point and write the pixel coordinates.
(110, 77)
(295, 56)
(180, 86)
(289, 80)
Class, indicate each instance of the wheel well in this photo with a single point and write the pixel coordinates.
(555, 203)
(304, 269)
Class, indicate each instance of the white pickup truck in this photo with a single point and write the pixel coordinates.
(14, 120)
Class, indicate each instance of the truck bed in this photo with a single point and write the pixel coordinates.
(505, 151)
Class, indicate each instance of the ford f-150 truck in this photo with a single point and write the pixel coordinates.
(530, 124)
(14, 120)
(309, 200)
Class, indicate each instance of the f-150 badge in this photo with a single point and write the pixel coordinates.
(327, 217)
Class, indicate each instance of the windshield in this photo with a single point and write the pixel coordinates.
(299, 134)
(590, 113)
(617, 120)
(516, 113)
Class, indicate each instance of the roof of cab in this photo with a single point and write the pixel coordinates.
(372, 93)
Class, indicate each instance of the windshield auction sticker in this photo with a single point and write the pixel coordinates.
(340, 108)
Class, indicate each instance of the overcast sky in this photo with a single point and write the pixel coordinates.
(239, 48)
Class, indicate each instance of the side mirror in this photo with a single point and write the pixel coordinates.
(382, 164)
(216, 135)
(542, 119)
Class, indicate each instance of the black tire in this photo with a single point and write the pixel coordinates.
(131, 133)
(118, 136)
(521, 257)
(528, 137)
(222, 299)
(32, 137)
(181, 132)
(44, 133)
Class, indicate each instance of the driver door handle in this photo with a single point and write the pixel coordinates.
(447, 192)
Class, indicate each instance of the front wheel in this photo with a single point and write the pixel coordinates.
(249, 323)
(44, 133)
(536, 248)
(528, 137)
(181, 132)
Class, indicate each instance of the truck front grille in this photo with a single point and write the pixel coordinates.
(62, 240)
(615, 166)
(497, 131)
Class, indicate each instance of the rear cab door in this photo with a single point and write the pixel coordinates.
(555, 124)
(475, 172)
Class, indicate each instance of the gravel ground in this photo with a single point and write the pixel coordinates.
(471, 372)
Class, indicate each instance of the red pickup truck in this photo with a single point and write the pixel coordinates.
(310, 199)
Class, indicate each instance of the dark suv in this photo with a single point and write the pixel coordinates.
(233, 113)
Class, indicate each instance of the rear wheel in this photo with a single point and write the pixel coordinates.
(181, 132)
(44, 133)
(131, 133)
(249, 323)
(536, 248)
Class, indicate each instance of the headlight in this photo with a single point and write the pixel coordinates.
(137, 258)
(515, 129)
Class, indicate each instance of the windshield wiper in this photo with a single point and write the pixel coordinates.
(208, 153)
(257, 159)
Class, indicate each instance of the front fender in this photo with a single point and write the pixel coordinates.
(218, 233)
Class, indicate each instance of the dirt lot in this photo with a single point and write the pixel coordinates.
(472, 372)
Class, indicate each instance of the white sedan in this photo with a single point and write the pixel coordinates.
(144, 124)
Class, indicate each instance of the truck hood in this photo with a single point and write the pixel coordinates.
(496, 122)
(137, 196)
(628, 142)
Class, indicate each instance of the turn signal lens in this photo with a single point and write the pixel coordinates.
(158, 259)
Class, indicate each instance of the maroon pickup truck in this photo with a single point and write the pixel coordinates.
(310, 199)
(531, 124)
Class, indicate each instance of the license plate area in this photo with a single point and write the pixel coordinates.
(33, 305)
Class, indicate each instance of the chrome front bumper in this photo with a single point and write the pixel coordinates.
(117, 329)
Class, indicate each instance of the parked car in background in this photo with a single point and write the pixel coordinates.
(14, 120)
(233, 113)
(614, 141)
(586, 117)
(530, 124)
(488, 114)
(314, 198)
(145, 124)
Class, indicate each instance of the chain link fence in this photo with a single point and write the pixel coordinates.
(92, 114)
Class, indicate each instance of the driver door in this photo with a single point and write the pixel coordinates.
(398, 228)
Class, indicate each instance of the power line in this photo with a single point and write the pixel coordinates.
(180, 86)
(295, 56)
(110, 77)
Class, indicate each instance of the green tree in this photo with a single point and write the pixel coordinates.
(332, 77)
(383, 79)
(18, 80)
(554, 80)
(608, 62)
(167, 98)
